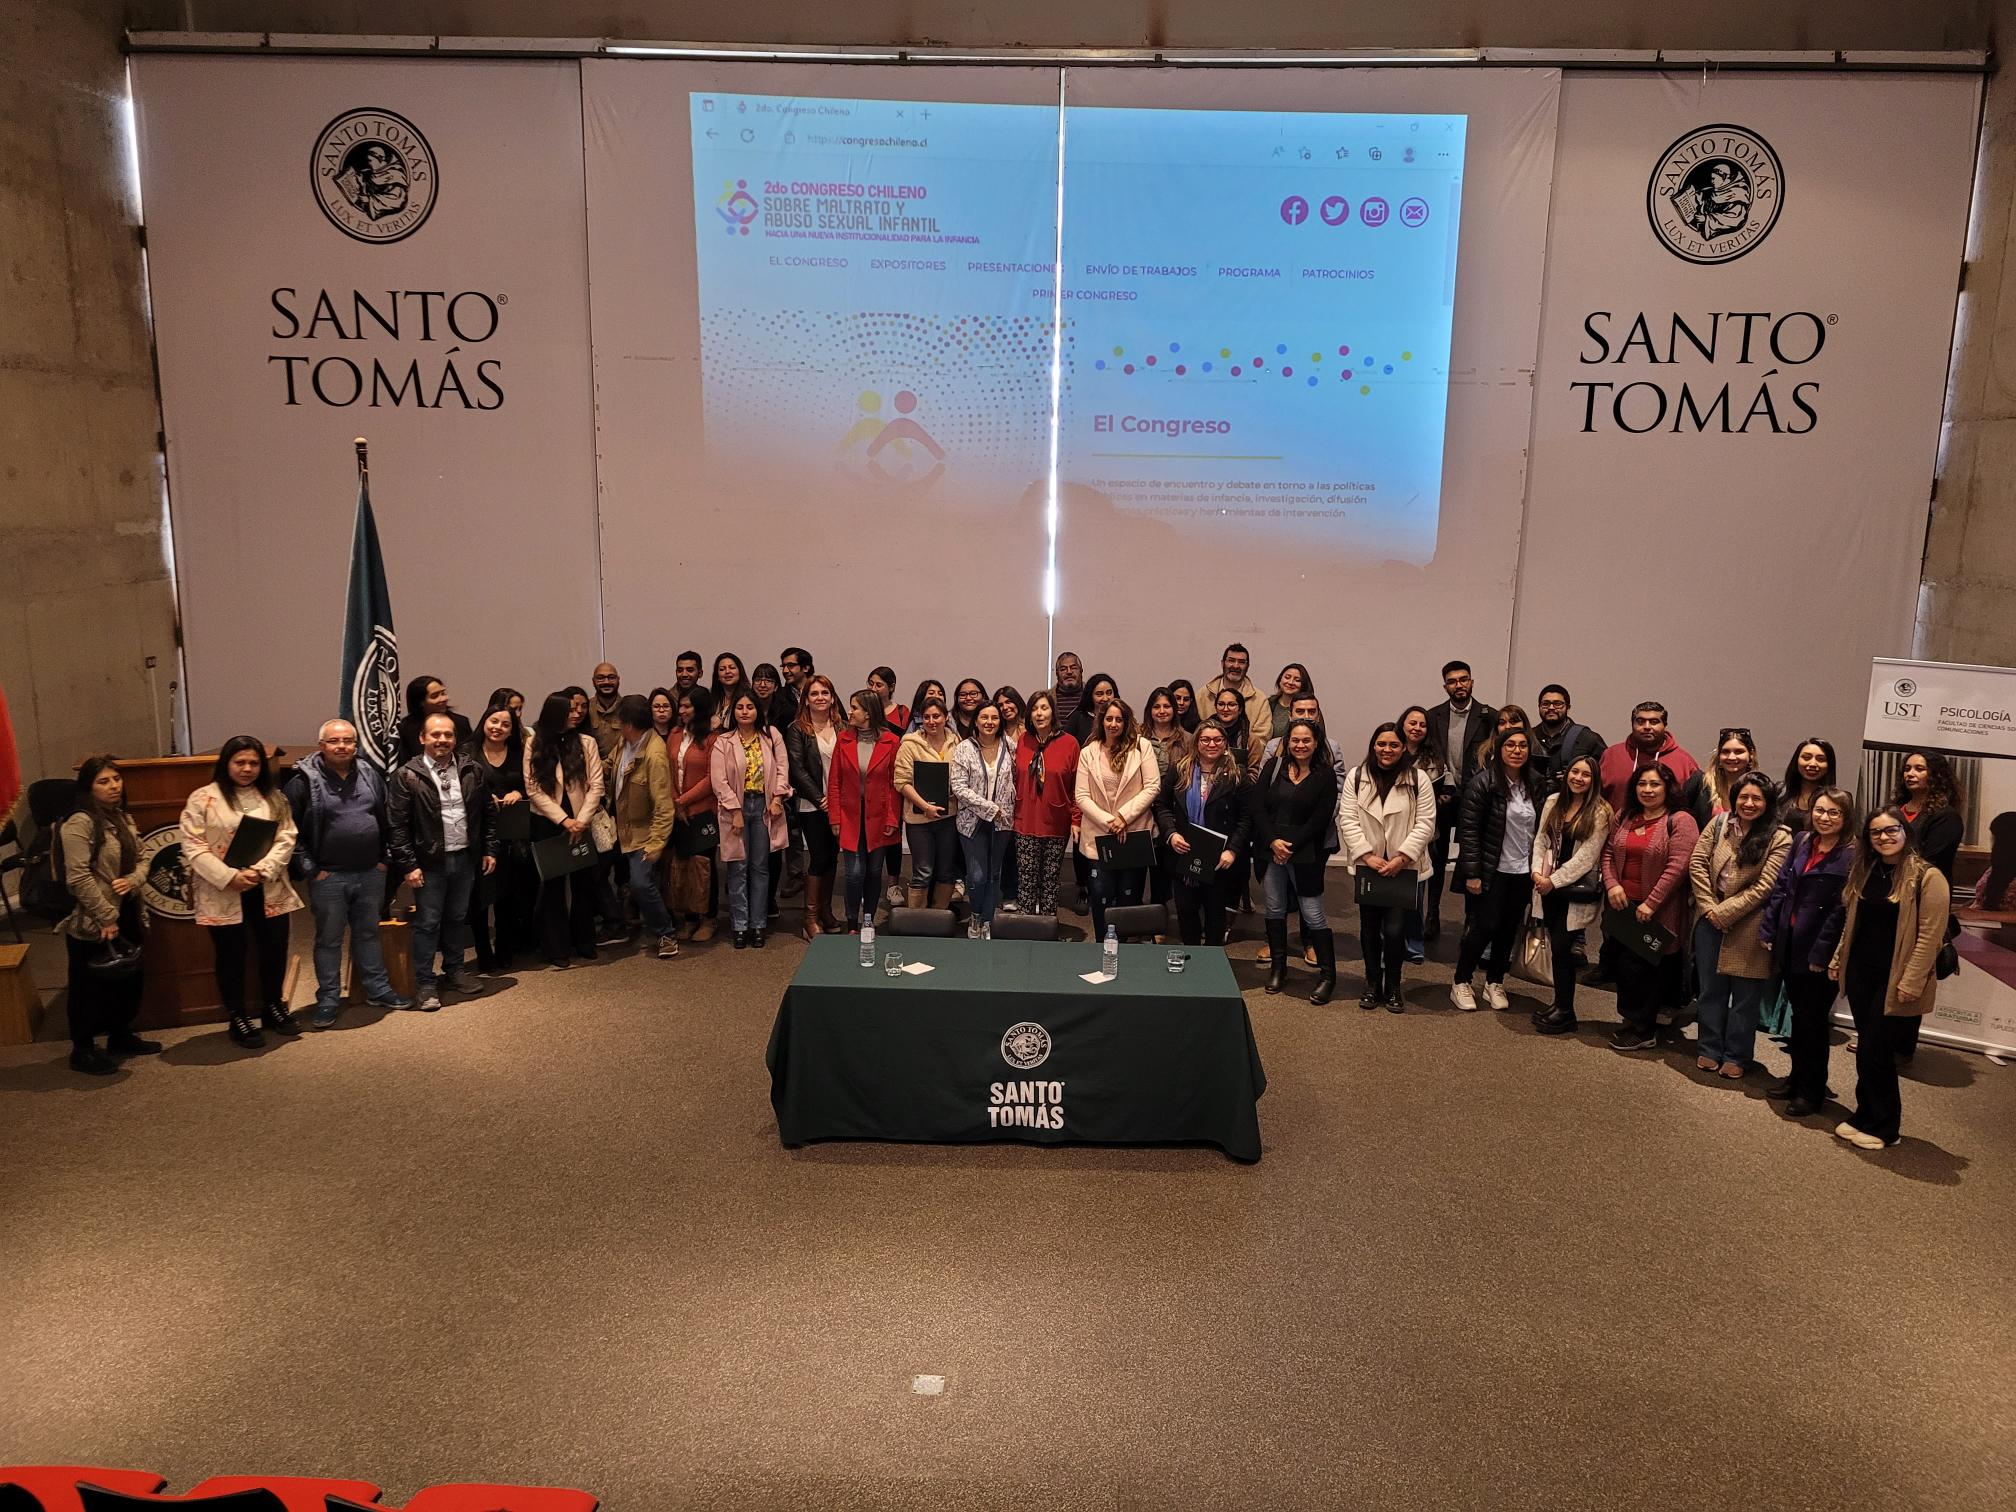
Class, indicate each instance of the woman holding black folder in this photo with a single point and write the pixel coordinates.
(563, 783)
(1645, 881)
(510, 892)
(1202, 807)
(1117, 783)
(924, 778)
(237, 835)
(1294, 807)
(1385, 823)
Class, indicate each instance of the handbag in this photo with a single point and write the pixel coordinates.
(1946, 963)
(1374, 891)
(115, 960)
(602, 830)
(1533, 956)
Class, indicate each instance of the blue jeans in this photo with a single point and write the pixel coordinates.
(644, 888)
(348, 899)
(861, 877)
(1726, 1010)
(749, 878)
(934, 853)
(441, 916)
(1282, 882)
(986, 849)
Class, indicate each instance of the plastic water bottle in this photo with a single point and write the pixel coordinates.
(1109, 955)
(868, 937)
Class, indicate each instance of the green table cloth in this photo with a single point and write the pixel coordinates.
(1002, 1040)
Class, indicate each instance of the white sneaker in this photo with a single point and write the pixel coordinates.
(986, 931)
(1494, 994)
(1463, 997)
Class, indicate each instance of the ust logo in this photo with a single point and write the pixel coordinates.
(1904, 705)
(898, 452)
(737, 206)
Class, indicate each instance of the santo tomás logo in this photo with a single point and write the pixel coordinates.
(899, 452)
(1025, 1046)
(373, 175)
(737, 207)
(1715, 194)
(164, 881)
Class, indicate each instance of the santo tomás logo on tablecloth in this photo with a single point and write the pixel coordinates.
(1025, 1046)
(374, 695)
(164, 884)
(373, 175)
(1715, 194)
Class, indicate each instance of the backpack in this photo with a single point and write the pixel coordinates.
(44, 893)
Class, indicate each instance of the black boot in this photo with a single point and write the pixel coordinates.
(1325, 941)
(244, 1031)
(1374, 976)
(279, 1020)
(1391, 1001)
(1555, 1021)
(1277, 945)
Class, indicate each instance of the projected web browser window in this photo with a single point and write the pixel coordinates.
(1255, 306)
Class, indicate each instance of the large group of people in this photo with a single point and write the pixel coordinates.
(610, 815)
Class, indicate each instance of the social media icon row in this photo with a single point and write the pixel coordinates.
(1335, 210)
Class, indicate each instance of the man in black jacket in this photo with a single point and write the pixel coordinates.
(442, 838)
(1558, 739)
(1457, 725)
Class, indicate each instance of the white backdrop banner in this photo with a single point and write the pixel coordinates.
(391, 249)
(1750, 297)
(1941, 706)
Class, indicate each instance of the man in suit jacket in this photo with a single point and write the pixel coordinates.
(1459, 723)
(644, 811)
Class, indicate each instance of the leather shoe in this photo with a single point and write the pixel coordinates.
(1781, 1087)
(93, 1062)
(1801, 1107)
(132, 1044)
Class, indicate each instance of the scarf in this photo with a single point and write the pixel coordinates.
(1036, 765)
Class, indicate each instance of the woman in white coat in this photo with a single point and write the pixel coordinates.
(245, 907)
(1568, 878)
(1385, 823)
(752, 777)
(1118, 778)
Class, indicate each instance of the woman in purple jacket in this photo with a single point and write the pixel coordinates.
(1801, 926)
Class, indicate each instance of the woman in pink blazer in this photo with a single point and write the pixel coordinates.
(752, 778)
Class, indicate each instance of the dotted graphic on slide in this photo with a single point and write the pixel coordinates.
(906, 397)
(1258, 364)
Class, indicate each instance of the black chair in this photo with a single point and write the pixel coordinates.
(1025, 926)
(928, 923)
(97, 1499)
(10, 837)
(1139, 921)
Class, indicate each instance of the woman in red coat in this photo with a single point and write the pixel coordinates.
(861, 800)
(1046, 805)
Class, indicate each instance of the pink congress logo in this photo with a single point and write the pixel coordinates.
(737, 206)
(898, 453)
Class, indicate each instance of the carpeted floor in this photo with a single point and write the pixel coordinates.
(549, 1236)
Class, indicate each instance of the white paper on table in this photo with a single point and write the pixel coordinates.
(917, 968)
(1096, 978)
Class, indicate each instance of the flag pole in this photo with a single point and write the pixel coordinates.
(363, 462)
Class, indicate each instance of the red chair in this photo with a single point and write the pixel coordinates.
(54, 1487)
(297, 1493)
(481, 1498)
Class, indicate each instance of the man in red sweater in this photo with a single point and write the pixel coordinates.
(1648, 743)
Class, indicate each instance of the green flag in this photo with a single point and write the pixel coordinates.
(369, 697)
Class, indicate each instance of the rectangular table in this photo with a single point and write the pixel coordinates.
(1003, 1041)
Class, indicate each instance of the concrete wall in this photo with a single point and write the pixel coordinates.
(83, 550)
(87, 597)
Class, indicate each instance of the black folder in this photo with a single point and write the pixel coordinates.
(1206, 846)
(696, 836)
(514, 820)
(933, 781)
(1401, 890)
(1133, 851)
(254, 837)
(1649, 940)
(558, 855)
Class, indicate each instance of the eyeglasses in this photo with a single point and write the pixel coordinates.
(1886, 832)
